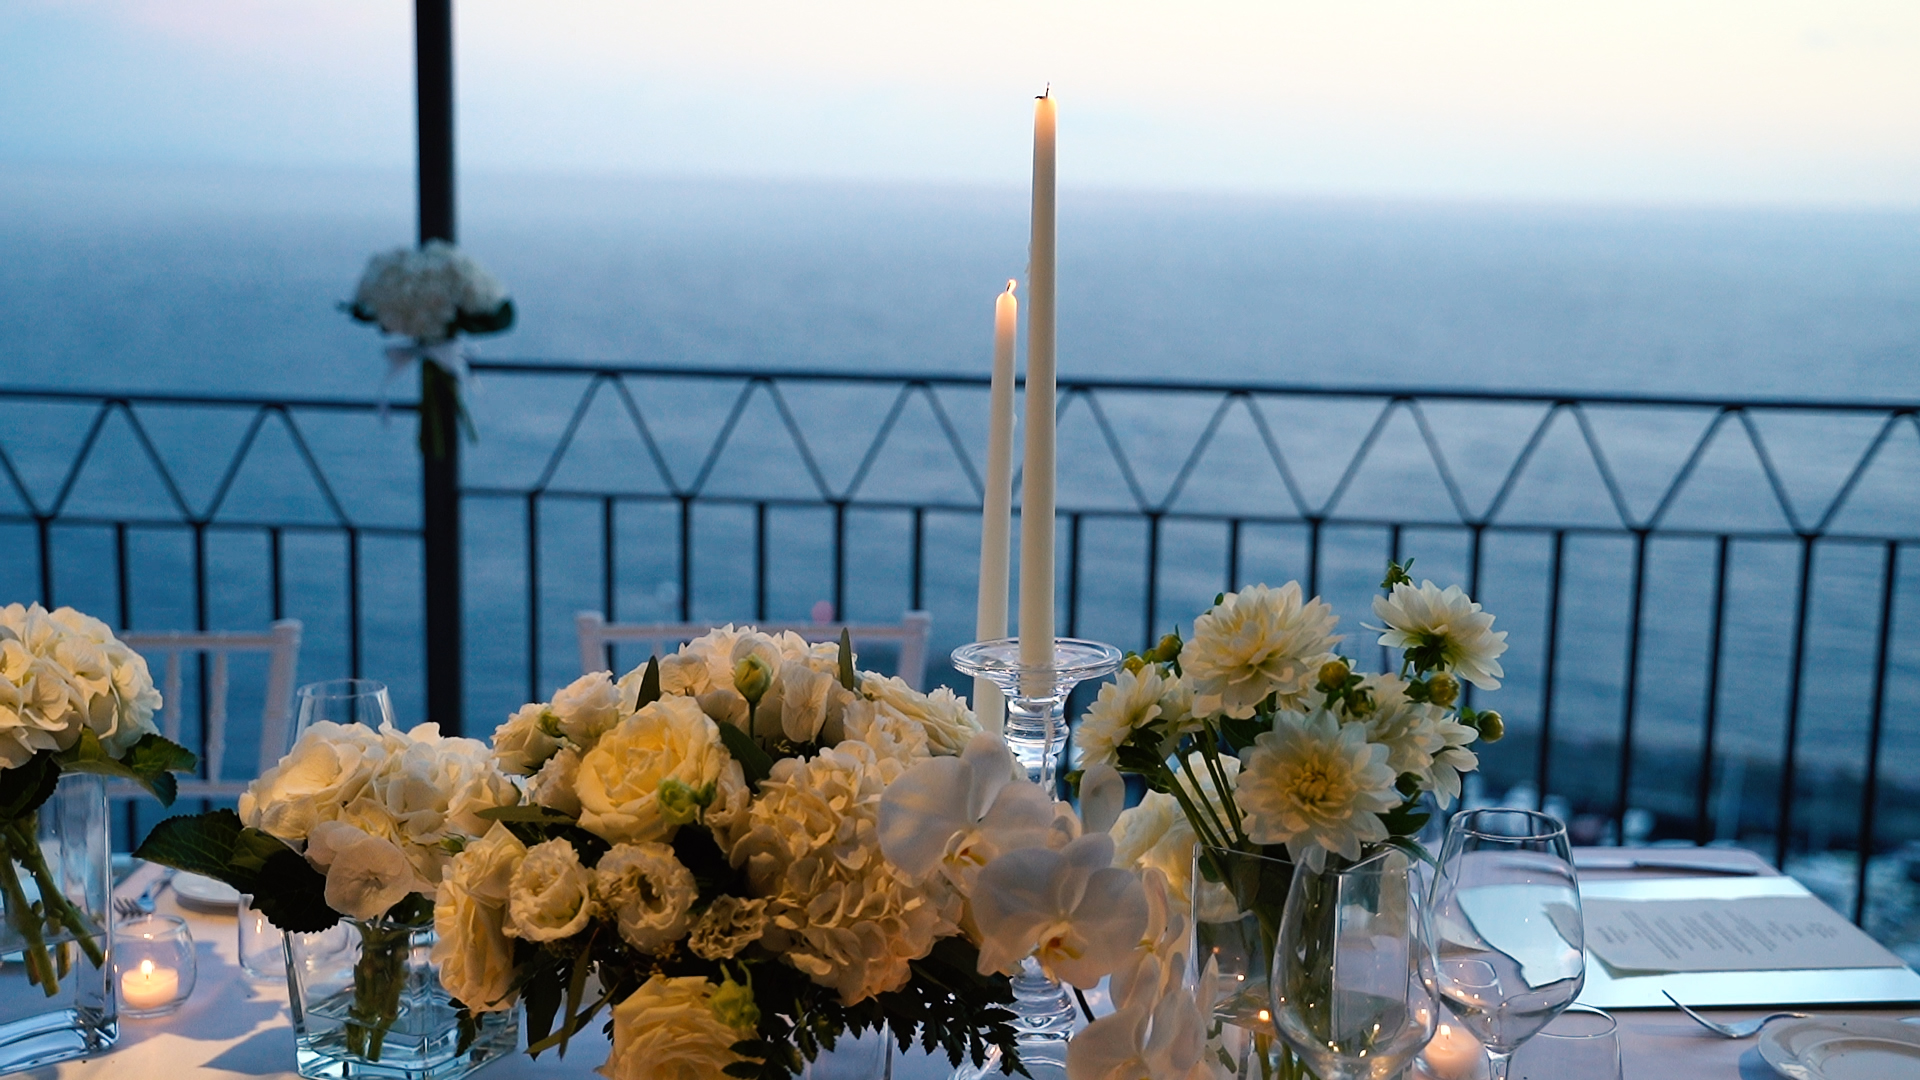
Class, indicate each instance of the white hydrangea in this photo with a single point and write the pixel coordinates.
(62, 673)
(419, 293)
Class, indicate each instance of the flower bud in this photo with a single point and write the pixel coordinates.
(1168, 648)
(1134, 663)
(751, 676)
(1492, 728)
(1333, 675)
(679, 803)
(1442, 689)
(733, 1005)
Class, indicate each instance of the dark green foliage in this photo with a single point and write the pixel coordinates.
(289, 892)
(151, 762)
(23, 790)
(754, 761)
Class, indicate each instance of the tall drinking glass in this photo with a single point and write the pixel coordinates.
(340, 701)
(1352, 977)
(1504, 920)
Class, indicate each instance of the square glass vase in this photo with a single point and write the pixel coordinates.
(367, 1003)
(57, 996)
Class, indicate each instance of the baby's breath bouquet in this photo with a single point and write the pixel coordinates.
(699, 855)
(1263, 749)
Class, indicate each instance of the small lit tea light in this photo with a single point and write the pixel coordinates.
(154, 957)
(148, 988)
(1454, 1054)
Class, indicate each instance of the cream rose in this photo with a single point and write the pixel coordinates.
(587, 708)
(551, 896)
(669, 1030)
(555, 785)
(523, 744)
(473, 953)
(328, 768)
(619, 781)
(647, 891)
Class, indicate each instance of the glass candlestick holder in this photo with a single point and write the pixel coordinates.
(1036, 733)
(153, 965)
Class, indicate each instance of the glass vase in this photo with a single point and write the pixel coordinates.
(367, 1003)
(56, 989)
(866, 1056)
(1237, 900)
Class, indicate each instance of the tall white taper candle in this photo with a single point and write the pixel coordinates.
(1036, 492)
(996, 517)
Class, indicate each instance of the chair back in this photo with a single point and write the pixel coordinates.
(282, 644)
(912, 632)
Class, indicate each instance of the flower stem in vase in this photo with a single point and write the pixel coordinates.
(55, 903)
(27, 921)
(379, 977)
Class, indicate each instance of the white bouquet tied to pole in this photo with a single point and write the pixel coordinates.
(432, 294)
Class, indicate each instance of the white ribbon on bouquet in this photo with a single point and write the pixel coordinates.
(447, 354)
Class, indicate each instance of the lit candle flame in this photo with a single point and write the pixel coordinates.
(146, 967)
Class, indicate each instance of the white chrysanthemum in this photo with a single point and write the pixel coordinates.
(1128, 703)
(1256, 642)
(1315, 786)
(1446, 624)
(1421, 739)
(837, 910)
(420, 292)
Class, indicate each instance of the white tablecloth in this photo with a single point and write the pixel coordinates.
(236, 1028)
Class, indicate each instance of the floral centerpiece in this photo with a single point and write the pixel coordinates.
(1264, 750)
(431, 294)
(700, 854)
(74, 701)
(357, 825)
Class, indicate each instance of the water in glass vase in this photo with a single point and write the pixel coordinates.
(367, 1003)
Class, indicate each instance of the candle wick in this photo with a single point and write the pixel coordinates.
(1010, 284)
(1048, 92)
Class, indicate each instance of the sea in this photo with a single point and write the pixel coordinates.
(228, 280)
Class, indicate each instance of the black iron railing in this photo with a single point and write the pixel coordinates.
(1717, 576)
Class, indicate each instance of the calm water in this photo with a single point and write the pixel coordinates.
(227, 282)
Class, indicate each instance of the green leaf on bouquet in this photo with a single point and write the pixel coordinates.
(754, 761)
(847, 678)
(151, 762)
(1239, 734)
(196, 843)
(649, 684)
(292, 894)
(24, 787)
(527, 813)
(289, 892)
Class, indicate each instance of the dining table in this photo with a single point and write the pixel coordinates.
(234, 1026)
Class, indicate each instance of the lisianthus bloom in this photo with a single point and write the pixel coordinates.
(1443, 630)
(1256, 642)
(1315, 786)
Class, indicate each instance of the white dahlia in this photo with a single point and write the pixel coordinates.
(1420, 739)
(1128, 703)
(1446, 626)
(1256, 642)
(1316, 786)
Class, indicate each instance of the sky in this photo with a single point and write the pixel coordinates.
(1795, 102)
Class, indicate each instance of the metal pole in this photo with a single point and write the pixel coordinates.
(439, 475)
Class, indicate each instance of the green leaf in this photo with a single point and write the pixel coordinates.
(149, 762)
(847, 678)
(25, 787)
(292, 894)
(542, 998)
(531, 813)
(649, 684)
(197, 843)
(576, 991)
(753, 761)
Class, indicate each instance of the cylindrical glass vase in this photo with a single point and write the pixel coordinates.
(367, 1004)
(1237, 899)
(56, 988)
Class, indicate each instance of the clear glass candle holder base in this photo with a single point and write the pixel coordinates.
(1036, 696)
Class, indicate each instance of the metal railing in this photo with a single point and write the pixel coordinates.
(1726, 543)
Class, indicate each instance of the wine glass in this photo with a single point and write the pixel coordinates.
(1505, 927)
(340, 701)
(1352, 975)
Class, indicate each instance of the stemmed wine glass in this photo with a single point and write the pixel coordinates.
(1352, 976)
(341, 701)
(1504, 922)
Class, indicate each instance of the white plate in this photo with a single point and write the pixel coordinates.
(205, 893)
(1842, 1048)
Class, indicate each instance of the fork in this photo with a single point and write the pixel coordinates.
(1733, 1031)
(135, 907)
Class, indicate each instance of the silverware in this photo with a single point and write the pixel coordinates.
(1662, 862)
(1733, 1031)
(135, 907)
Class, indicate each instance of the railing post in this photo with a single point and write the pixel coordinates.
(439, 475)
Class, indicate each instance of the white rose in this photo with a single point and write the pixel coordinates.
(522, 744)
(728, 925)
(647, 891)
(366, 874)
(328, 768)
(551, 895)
(950, 724)
(669, 1030)
(554, 786)
(619, 779)
(471, 950)
(587, 707)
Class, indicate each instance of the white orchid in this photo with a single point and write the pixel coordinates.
(958, 814)
(1071, 910)
(1157, 1028)
(1447, 627)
